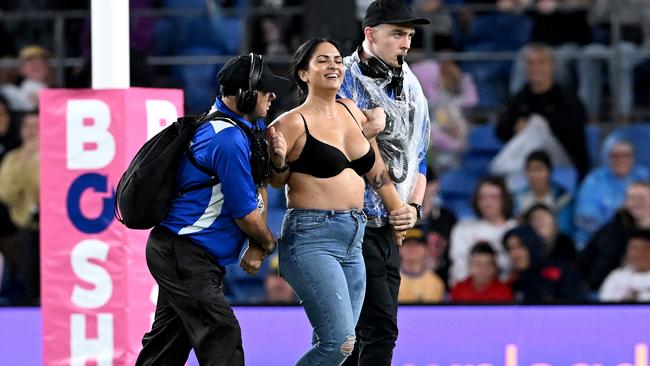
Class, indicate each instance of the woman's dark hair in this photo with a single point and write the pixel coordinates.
(506, 199)
(541, 156)
(301, 58)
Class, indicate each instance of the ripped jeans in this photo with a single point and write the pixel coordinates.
(320, 257)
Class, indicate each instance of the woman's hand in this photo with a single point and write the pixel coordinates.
(376, 122)
(277, 148)
(252, 259)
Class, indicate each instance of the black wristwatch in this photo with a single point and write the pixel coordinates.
(418, 209)
(280, 170)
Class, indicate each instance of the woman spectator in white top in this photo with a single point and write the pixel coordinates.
(493, 206)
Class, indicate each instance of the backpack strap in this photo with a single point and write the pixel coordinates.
(214, 180)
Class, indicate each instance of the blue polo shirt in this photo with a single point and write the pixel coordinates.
(207, 215)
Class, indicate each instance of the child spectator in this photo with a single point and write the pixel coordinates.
(483, 283)
(632, 281)
(542, 190)
(419, 283)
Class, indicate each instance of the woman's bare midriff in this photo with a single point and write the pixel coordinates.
(342, 192)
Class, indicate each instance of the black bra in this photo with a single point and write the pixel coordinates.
(322, 160)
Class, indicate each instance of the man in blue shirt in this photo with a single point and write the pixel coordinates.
(377, 76)
(206, 228)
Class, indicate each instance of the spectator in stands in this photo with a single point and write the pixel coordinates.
(19, 188)
(483, 283)
(448, 91)
(632, 281)
(559, 106)
(536, 279)
(561, 24)
(556, 243)
(437, 222)
(35, 74)
(632, 18)
(606, 249)
(493, 206)
(603, 190)
(541, 189)
(278, 291)
(419, 283)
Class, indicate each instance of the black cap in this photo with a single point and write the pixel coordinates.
(390, 12)
(235, 73)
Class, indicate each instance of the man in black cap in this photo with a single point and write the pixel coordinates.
(377, 76)
(207, 227)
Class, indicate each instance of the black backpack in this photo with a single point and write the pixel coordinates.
(148, 186)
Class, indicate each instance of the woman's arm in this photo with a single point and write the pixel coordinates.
(278, 158)
(282, 135)
(380, 181)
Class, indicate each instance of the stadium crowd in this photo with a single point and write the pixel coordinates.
(534, 193)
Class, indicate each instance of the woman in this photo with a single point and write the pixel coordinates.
(493, 206)
(556, 243)
(536, 279)
(319, 150)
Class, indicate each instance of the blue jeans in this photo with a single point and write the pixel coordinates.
(320, 256)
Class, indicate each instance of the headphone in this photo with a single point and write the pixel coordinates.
(247, 99)
(376, 68)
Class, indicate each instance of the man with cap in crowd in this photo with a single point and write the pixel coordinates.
(377, 76)
(206, 228)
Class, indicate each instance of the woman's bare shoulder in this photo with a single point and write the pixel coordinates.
(350, 104)
(354, 109)
(287, 119)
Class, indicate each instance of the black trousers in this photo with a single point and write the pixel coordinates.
(191, 311)
(377, 326)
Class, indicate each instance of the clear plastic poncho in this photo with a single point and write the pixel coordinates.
(404, 142)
